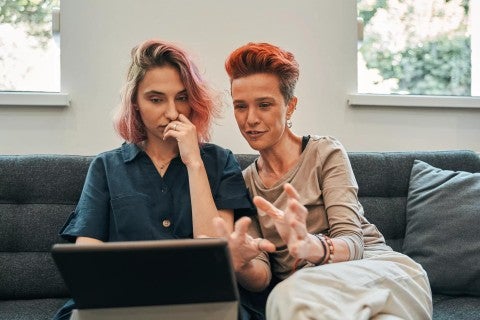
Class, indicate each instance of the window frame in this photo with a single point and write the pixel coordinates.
(37, 98)
(412, 101)
(422, 101)
(34, 99)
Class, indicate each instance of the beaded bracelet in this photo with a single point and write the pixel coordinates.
(324, 245)
(331, 249)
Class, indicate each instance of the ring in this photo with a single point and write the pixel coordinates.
(175, 127)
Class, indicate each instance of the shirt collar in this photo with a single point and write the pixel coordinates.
(130, 151)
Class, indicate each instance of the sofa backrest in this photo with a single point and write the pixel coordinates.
(38, 192)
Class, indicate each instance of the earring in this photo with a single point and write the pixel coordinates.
(289, 123)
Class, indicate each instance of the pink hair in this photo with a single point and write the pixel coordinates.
(202, 99)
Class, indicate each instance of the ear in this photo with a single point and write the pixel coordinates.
(292, 105)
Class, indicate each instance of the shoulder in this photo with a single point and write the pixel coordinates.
(110, 155)
(210, 150)
(248, 173)
(110, 158)
(325, 142)
(323, 149)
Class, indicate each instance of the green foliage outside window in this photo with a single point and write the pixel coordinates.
(433, 58)
(34, 15)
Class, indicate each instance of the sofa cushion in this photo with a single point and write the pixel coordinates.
(443, 212)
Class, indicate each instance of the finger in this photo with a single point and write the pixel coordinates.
(294, 215)
(173, 125)
(291, 191)
(221, 227)
(266, 245)
(242, 225)
(171, 130)
(183, 119)
(267, 207)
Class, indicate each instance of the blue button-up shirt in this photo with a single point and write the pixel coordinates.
(125, 198)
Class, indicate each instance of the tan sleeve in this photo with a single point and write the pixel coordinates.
(340, 193)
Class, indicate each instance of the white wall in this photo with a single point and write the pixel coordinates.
(96, 38)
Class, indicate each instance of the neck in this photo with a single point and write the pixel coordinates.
(161, 151)
(281, 157)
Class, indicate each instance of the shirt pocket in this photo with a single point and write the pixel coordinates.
(132, 217)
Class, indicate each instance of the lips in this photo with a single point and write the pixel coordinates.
(254, 134)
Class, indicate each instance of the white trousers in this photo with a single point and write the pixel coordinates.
(383, 285)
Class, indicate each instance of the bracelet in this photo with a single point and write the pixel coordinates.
(320, 237)
(331, 249)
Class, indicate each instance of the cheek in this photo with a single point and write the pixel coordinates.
(184, 109)
(240, 117)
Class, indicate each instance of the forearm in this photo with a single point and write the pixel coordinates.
(87, 240)
(203, 206)
(317, 254)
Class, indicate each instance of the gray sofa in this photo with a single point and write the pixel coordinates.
(37, 193)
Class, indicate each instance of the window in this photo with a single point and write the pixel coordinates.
(419, 47)
(29, 50)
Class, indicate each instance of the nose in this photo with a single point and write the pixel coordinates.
(252, 118)
(171, 112)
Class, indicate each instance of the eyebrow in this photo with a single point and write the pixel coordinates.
(256, 100)
(162, 93)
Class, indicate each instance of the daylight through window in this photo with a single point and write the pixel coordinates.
(29, 51)
(419, 47)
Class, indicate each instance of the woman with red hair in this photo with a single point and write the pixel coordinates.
(309, 249)
(165, 181)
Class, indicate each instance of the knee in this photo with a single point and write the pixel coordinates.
(290, 299)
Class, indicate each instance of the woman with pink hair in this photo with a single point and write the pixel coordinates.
(165, 181)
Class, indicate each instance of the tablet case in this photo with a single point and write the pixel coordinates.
(147, 273)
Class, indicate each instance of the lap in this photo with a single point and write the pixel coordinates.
(384, 283)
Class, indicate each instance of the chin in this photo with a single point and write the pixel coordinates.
(255, 145)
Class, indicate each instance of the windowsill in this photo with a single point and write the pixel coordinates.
(412, 101)
(34, 99)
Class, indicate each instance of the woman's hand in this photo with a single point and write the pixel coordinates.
(243, 247)
(291, 223)
(185, 132)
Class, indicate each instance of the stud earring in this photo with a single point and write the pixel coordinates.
(289, 123)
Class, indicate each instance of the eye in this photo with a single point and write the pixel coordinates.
(156, 99)
(183, 98)
(264, 104)
(239, 106)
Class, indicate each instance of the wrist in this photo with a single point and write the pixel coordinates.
(327, 248)
(195, 164)
(318, 249)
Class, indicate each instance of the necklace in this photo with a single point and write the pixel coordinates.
(158, 164)
(162, 165)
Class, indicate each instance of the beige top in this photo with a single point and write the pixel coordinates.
(325, 181)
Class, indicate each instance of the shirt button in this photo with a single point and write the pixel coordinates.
(166, 223)
(164, 189)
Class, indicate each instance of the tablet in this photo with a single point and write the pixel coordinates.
(147, 273)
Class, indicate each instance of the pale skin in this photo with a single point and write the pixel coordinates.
(261, 112)
(162, 102)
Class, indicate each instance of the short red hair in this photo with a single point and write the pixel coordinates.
(255, 58)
